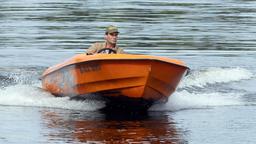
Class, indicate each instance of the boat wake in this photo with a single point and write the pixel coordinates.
(186, 100)
(214, 75)
(27, 95)
(201, 89)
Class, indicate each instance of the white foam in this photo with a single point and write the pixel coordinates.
(30, 95)
(185, 100)
(215, 75)
(27, 95)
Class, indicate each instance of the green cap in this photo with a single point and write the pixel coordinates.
(112, 29)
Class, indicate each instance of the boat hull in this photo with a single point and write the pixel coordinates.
(122, 76)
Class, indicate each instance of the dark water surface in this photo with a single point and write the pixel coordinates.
(214, 104)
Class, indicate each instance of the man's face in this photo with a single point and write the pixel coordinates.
(111, 38)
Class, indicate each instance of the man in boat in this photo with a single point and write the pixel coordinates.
(110, 44)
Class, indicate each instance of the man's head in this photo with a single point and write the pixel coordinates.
(111, 34)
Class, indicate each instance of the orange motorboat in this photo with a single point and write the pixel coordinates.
(120, 79)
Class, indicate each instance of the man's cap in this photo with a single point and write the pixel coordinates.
(112, 29)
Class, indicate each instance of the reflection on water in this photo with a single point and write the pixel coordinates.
(97, 127)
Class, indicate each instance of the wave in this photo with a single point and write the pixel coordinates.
(187, 100)
(27, 95)
(21, 75)
(214, 75)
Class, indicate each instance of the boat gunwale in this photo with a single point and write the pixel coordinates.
(74, 60)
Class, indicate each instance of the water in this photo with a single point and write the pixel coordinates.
(214, 104)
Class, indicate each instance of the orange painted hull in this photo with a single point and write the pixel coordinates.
(112, 75)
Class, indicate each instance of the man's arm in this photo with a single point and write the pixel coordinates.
(120, 51)
(91, 50)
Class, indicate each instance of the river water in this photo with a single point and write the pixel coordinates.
(216, 103)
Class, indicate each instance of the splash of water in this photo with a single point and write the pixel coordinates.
(215, 75)
(186, 100)
(27, 95)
